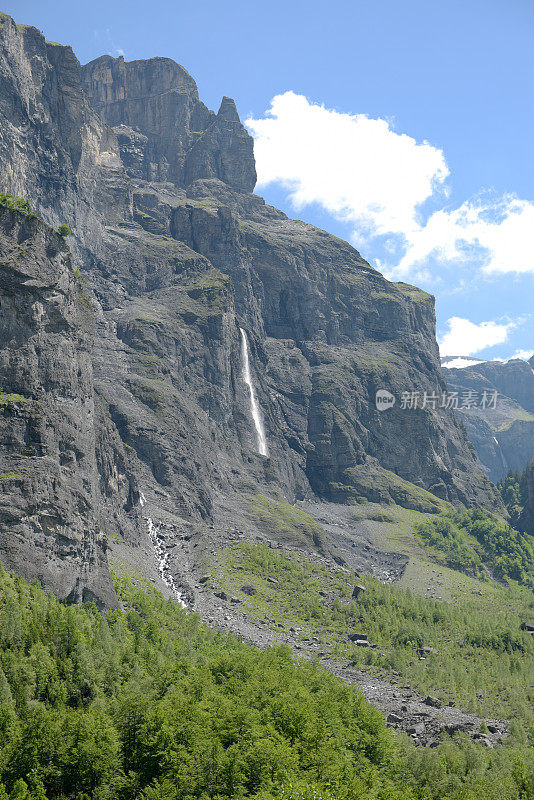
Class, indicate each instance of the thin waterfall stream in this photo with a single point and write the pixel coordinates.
(254, 406)
(161, 555)
(503, 460)
(162, 560)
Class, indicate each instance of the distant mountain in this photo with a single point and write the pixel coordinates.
(503, 436)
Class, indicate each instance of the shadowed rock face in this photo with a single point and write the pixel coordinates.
(178, 254)
(503, 437)
(51, 140)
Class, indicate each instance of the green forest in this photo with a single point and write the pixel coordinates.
(514, 493)
(146, 702)
(474, 541)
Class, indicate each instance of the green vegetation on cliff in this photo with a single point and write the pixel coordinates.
(470, 540)
(283, 519)
(15, 203)
(147, 703)
(514, 493)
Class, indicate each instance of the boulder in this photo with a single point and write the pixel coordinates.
(417, 729)
(432, 701)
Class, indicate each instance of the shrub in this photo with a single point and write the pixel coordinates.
(7, 200)
(23, 205)
(466, 540)
(17, 203)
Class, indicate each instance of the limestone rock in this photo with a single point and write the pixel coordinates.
(432, 701)
(503, 436)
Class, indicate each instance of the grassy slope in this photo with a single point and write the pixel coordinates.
(484, 662)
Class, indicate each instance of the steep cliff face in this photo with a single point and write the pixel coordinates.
(178, 254)
(355, 333)
(52, 141)
(49, 520)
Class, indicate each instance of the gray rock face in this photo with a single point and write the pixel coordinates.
(164, 131)
(52, 143)
(49, 526)
(503, 436)
(178, 254)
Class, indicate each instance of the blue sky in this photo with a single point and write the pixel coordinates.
(360, 87)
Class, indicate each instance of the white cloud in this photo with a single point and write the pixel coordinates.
(364, 173)
(356, 167)
(497, 235)
(524, 355)
(465, 337)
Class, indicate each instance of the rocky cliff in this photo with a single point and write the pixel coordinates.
(177, 255)
(49, 482)
(165, 132)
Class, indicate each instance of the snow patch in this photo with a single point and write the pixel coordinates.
(460, 363)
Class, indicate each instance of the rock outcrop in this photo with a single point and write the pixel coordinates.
(166, 133)
(177, 254)
(52, 143)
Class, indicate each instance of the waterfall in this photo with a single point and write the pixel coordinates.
(254, 407)
(503, 460)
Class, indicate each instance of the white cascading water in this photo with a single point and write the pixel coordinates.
(503, 460)
(254, 407)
